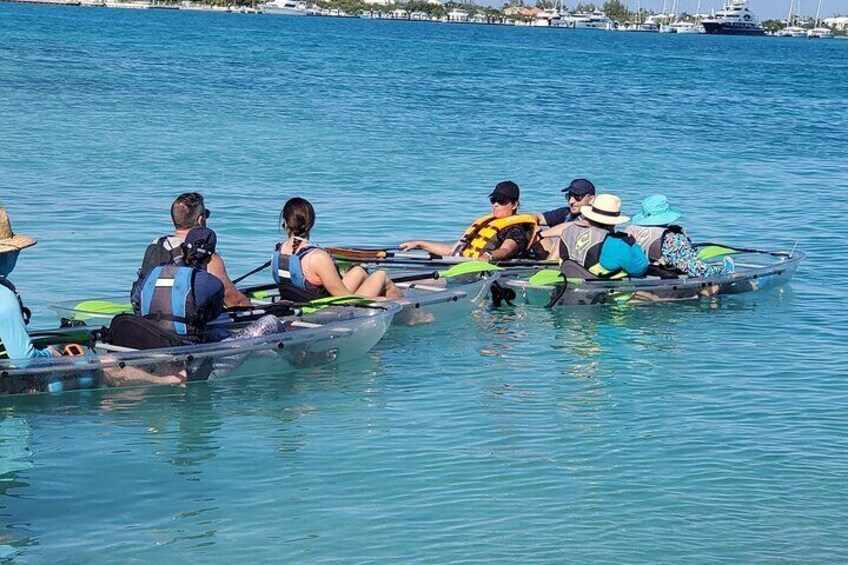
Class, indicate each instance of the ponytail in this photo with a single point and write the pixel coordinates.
(297, 218)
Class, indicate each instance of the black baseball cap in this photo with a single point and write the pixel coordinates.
(506, 189)
(202, 240)
(580, 187)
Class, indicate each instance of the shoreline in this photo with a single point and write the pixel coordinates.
(493, 16)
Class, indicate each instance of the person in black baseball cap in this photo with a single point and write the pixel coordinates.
(503, 234)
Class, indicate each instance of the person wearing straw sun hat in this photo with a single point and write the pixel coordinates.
(665, 242)
(14, 316)
(593, 244)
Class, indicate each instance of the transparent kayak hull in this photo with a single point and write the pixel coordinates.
(443, 299)
(330, 335)
(754, 272)
(438, 298)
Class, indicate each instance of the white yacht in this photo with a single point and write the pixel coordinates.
(686, 27)
(820, 32)
(584, 20)
(734, 19)
(791, 29)
(284, 8)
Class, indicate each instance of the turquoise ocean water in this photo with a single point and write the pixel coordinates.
(672, 433)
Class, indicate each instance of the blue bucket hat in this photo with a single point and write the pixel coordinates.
(656, 211)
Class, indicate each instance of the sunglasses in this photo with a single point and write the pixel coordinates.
(206, 213)
(577, 197)
(499, 200)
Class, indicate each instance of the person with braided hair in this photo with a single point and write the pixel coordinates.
(303, 270)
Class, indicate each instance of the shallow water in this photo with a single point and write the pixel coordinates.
(701, 432)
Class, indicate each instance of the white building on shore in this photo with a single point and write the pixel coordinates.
(839, 23)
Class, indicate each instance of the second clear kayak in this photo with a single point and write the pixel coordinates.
(755, 270)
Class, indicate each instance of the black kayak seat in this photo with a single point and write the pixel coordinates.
(135, 332)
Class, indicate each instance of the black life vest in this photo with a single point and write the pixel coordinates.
(287, 272)
(168, 299)
(25, 313)
(156, 255)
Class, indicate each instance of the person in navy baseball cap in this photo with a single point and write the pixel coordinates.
(579, 193)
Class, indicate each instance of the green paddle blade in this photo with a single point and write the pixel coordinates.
(260, 294)
(103, 307)
(320, 303)
(546, 277)
(712, 251)
(469, 268)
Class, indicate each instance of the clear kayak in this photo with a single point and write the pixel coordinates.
(333, 333)
(433, 294)
(754, 271)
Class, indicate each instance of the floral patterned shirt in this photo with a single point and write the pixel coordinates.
(678, 252)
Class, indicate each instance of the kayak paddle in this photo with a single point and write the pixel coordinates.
(460, 269)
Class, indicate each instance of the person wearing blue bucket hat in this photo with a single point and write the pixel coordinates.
(665, 242)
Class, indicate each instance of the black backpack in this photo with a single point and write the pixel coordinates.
(154, 256)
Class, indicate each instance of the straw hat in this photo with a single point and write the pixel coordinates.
(8, 240)
(606, 209)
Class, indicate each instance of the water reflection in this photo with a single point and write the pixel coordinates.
(15, 457)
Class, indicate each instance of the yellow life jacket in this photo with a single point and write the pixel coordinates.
(480, 236)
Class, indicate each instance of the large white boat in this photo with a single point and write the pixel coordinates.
(284, 8)
(791, 29)
(686, 27)
(734, 19)
(820, 32)
(583, 20)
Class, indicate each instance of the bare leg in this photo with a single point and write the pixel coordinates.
(354, 278)
(376, 285)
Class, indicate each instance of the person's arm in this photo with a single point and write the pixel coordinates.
(508, 249)
(443, 249)
(553, 217)
(232, 295)
(326, 270)
(16, 340)
(555, 231)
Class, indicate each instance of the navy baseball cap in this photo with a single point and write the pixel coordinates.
(580, 187)
(202, 240)
(506, 189)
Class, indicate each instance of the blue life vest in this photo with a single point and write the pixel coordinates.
(288, 271)
(167, 298)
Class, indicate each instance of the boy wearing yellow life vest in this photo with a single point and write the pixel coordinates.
(503, 234)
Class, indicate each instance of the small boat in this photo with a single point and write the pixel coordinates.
(284, 8)
(819, 31)
(333, 333)
(755, 270)
(687, 27)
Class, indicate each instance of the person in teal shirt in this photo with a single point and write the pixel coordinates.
(593, 244)
(14, 339)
